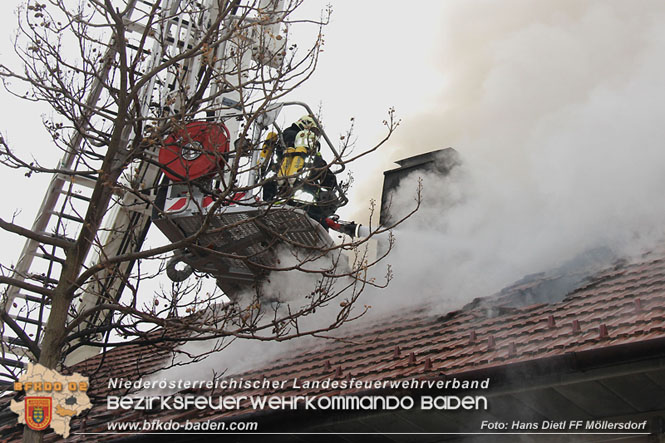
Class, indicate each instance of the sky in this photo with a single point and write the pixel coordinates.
(555, 108)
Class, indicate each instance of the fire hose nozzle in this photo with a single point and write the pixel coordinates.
(349, 228)
(363, 231)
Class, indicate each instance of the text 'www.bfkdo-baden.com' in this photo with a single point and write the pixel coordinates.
(156, 425)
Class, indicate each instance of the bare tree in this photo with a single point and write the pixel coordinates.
(146, 93)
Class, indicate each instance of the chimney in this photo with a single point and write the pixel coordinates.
(441, 161)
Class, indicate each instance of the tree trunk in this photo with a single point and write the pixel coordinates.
(30, 436)
(51, 346)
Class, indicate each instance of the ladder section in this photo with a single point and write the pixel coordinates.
(60, 216)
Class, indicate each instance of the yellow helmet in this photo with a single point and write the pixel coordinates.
(307, 122)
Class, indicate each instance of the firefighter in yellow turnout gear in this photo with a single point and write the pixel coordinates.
(282, 160)
(300, 175)
(266, 155)
(305, 145)
(301, 141)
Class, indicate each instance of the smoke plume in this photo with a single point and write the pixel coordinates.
(555, 109)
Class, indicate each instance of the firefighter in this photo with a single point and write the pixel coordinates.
(316, 191)
(272, 149)
(286, 158)
(301, 141)
(320, 183)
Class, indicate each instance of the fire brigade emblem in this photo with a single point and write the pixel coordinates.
(37, 412)
(51, 399)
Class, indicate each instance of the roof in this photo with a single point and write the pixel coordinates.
(615, 318)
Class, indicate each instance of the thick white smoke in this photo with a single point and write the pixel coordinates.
(285, 292)
(555, 108)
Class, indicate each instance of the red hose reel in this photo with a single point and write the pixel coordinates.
(194, 151)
